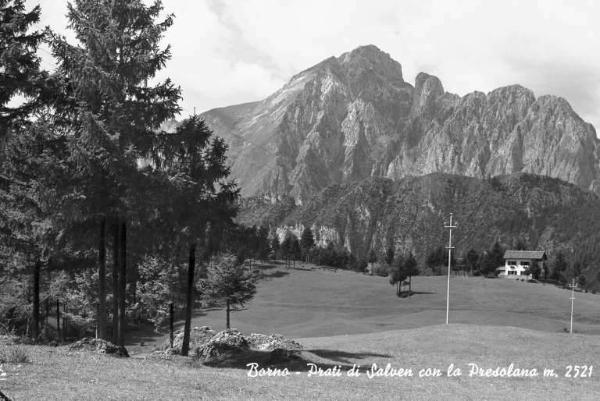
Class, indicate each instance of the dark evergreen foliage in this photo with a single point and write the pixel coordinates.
(19, 63)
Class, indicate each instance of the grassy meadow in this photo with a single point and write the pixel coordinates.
(344, 318)
(307, 302)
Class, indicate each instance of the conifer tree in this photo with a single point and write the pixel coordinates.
(410, 269)
(389, 256)
(307, 242)
(231, 281)
(398, 274)
(113, 113)
(19, 64)
(194, 161)
(263, 243)
(275, 246)
(29, 229)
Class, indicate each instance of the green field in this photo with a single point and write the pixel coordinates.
(319, 302)
(344, 318)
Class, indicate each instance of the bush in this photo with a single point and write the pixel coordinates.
(13, 354)
(380, 269)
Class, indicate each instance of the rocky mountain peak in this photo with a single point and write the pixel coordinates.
(352, 117)
(427, 89)
(369, 64)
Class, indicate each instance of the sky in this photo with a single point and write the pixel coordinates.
(234, 51)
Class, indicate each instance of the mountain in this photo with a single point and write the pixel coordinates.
(352, 117)
(408, 214)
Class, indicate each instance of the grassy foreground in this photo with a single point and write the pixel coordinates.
(57, 374)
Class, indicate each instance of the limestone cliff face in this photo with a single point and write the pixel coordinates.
(354, 116)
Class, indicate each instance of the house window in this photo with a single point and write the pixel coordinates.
(525, 263)
(512, 262)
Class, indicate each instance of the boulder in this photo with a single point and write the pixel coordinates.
(199, 336)
(99, 346)
(228, 343)
(263, 342)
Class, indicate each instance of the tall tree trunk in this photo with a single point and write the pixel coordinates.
(36, 300)
(115, 283)
(185, 347)
(64, 321)
(101, 318)
(58, 320)
(409, 285)
(47, 307)
(171, 319)
(228, 309)
(122, 283)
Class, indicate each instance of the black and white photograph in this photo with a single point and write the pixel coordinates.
(299, 200)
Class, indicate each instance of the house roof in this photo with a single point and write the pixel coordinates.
(534, 255)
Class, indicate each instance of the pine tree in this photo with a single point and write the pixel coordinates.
(306, 240)
(19, 64)
(275, 246)
(195, 164)
(286, 247)
(389, 256)
(472, 259)
(295, 250)
(436, 258)
(263, 243)
(559, 267)
(398, 274)
(32, 161)
(372, 256)
(410, 269)
(112, 112)
(232, 282)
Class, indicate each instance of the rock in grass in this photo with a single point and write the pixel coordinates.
(199, 337)
(223, 344)
(99, 346)
(263, 342)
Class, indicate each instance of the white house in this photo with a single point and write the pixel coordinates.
(518, 262)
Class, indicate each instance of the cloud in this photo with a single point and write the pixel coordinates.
(231, 51)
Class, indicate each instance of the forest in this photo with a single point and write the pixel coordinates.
(106, 218)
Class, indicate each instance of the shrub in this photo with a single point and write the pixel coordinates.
(380, 269)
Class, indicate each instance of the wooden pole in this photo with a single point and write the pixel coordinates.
(572, 302)
(449, 247)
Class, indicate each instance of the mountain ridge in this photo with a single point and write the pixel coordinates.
(353, 116)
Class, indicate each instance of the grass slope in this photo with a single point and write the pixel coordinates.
(56, 374)
(308, 303)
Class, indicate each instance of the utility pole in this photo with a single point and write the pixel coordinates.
(572, 301)
(449, 247)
